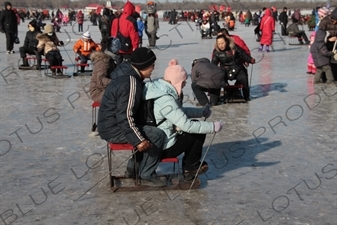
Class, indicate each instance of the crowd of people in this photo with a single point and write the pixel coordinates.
(121, 65)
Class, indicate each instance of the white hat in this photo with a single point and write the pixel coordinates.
(86, 35)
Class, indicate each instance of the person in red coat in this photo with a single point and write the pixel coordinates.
(267, 28)
(127, 26)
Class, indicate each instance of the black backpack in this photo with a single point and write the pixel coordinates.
(145, 114)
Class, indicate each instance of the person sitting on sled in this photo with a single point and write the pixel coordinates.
(84, 47)
(119, 107)
(183, 135)
(30, 44)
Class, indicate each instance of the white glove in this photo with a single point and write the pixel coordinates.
(218, 126)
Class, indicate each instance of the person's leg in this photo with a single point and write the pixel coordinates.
(214, 96)
(38, 56)
(304, 36)
(22, 51)
(50, 57)
(199, 93)
(189, 144)
(8, 42)
(261, 48)
(152, 39)
(58, 61)
(318, 75)
(151, 156)
(83, 60)
(11, 43)
(242, 78)
(328, 74)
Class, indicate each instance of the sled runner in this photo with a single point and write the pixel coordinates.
(123, 183)
(172, 183)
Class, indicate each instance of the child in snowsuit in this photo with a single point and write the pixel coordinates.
(84, 47)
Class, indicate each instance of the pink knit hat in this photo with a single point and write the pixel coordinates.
(176, 74)
(323, 11)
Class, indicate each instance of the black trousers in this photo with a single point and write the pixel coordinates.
(284, 29)
(27, 50)
(54, 58)
(242, 78)
(202, 98)
(10, 37)
(191, 146)
(80, 27)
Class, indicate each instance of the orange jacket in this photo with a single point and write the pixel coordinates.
(85, 48)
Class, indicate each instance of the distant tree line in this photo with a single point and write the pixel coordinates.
(236, 5)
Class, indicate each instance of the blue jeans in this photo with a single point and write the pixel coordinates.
(151, 157)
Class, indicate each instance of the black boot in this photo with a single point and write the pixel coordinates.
(25, 62)
(82, 69)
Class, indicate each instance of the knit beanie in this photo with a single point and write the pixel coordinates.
(48, 28)
(142, 58)
(323, 11)
(86, 35)
(176, 74)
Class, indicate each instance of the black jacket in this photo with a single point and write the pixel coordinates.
(207, 75)
(320, 53)
(8, 20)
(283, 18)
(227, 59)
(119, 105)
(30, 39)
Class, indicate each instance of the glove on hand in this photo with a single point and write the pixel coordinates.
(218, 126)
(144, 145)
(61, 43)
(207, 112)
(252, 61)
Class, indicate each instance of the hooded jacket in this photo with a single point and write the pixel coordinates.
(232, 54)
(103, 66)
(326, 24)
(267, 27)
(119, 105)
(80, 17)
(8, 20)
(30, 39)
(207, 75)
(320, 53)
(127, 26)
(167, 104)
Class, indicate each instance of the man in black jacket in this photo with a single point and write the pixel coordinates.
(30, 44)
(9, 26)
(119, 106)
(283, 18)
(206, 77)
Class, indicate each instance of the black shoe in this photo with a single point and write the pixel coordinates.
(190, 174)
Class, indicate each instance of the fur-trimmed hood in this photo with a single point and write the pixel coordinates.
(98, 55)
(231, 44)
